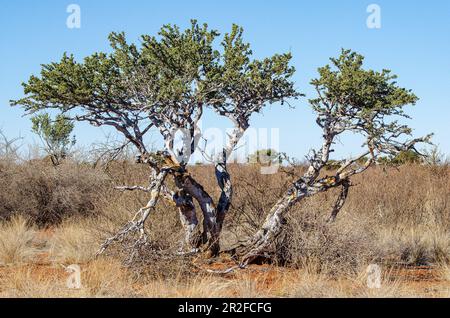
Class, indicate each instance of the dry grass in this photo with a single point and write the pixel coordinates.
(46, 195)
(73, 243)
(103, 278)
(107, 278)
(17, 242)
(444, 272)
(392, 217)
(24, 282)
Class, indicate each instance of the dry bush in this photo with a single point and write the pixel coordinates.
(115, 208)
(391, 216)
(415, 245)
(384, 206)
(45, 194)
(336, 249)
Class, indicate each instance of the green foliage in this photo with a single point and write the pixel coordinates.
(252, 82)
(265, 157)
(402, 158)
(54, 134)
(355, 89)
(164, 81)
(359, 99)
(407, 157)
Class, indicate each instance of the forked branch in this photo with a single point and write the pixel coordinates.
(137, 224)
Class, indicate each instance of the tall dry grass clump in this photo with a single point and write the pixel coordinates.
(74, 242)
(17, 242)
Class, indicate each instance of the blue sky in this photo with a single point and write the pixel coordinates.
(414, 42)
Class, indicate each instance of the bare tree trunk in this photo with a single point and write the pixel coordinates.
(224, 181)
(188, 217)
(189, 221)
(223, 176)
(211, 231)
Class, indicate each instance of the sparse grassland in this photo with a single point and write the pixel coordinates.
(55, 217)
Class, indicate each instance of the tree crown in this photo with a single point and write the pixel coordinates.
(351, 98)
(55, 134)
(164, 83)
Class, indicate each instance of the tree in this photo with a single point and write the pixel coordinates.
(55, 135)
(349, 99)
(165, 84)
(402, 158)
(266, 156)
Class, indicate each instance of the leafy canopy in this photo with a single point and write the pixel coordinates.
(354, 90)
(351, 98)
(164, 83)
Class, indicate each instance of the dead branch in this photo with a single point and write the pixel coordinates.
(136, 225)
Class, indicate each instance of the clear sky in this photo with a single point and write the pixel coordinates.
(413, 41)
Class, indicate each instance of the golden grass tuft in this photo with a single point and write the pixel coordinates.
(73, 243)
(17, 242)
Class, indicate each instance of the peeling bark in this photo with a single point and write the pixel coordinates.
(189, 221)
(222, 174)
(188, 218)
(211, 231)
